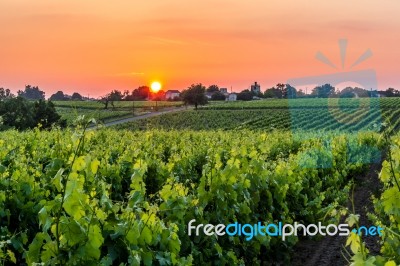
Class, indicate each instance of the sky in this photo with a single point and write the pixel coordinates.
(95, 46)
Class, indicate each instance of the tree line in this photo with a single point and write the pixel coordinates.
(28, 109)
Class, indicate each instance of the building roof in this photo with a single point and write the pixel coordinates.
(173, 91)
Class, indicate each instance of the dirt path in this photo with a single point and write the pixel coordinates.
(329, 250)
(130, 119)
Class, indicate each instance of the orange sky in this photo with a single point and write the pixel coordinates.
(95, 46)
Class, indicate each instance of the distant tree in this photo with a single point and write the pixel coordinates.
(218, 96)
(245, 95)
(45, 113)
(125, 95)
(281, 87)
(300, 93)
(76, 97)
(110, 98)
(195, 95)
(105, 100)
(17, 112)
(139, 94)
(5, 94)
(391, 92)
(23, 114)
(159, 96)
(212, 89)
(324, 91)
(350, 92)
(290, 92)
(58, 96)
(273, 93)
(31, 93)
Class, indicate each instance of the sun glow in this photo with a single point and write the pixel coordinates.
(155, 86)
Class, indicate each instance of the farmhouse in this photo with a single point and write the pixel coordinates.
(232, 97)
(171, 94)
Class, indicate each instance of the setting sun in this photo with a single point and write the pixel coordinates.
(155, 86)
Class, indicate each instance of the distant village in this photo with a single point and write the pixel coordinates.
(212, 93)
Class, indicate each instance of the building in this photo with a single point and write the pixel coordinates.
(223, 90)
(209, 95)
(172, 94)
(232, 97)
(255, 88)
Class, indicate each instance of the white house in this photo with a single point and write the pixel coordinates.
(232, 97)
(172, 94)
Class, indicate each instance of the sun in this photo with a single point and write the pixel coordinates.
(155, 86)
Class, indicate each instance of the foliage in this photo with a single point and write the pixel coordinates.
(5, 94)
(323, 91)
(245, 95)
(387, 209)
(22, 114)
(218, 96)
(81, 198)
(212, 88)
(31, 93)
(58, 96)
(194, 95)
(76, 97)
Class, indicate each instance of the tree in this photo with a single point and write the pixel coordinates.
(5, 94)
(324, 91)
(17, 112)
(76, 97)
(195, 95)
(58, 96)
(391, 92)
(31, 93)
(218, 96)
(110, 98)
(212, 89)
(281, 88)
(273, 93)
(245, 95)
(23, 114)
(45, 113)
(139, 94)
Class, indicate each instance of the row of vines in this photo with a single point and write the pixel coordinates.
(118, 197)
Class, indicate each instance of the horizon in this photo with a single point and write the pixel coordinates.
(94, 47)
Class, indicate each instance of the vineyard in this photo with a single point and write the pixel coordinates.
(86, 198)
(323, 119)
(308, 103)
(70, 110)
(125, 197)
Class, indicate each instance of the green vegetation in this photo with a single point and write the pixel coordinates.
(106, 197)
(85, 198)
(346, 120)
(386, 213)
(19, 113)
(308, 103)
(118, 104)
(70, 110)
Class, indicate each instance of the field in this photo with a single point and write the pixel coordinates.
(346, 115)
(126, 195)
(70, 110)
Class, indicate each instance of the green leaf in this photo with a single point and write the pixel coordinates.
(146, 236)
(11, 256)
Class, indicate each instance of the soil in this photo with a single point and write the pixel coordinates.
(330, 250)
